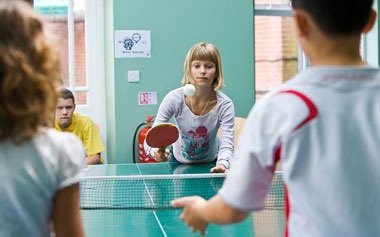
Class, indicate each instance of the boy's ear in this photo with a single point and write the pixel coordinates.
(370, 23)
(301, 22)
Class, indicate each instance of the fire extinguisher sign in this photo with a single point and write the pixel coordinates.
(148, 98)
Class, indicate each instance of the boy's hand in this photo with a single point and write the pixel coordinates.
(219, 169)
(191, 214)
(161, 154)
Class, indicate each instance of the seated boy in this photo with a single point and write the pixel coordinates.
(79, 124)
(323, 126)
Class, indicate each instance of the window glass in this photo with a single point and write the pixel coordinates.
(56, 13)
(81, 98)
(276, 52)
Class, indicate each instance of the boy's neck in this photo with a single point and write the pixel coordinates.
(337, 51)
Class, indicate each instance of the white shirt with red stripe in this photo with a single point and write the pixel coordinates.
(324, 127)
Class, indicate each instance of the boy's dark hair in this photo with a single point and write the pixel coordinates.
(30, 1)
(66, 94)
(337, 17)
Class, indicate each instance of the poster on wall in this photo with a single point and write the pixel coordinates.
(132, 44)
(148, 98)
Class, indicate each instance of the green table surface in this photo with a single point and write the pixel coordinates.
(166, 222)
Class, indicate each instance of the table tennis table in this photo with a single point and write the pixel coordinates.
(121, 221)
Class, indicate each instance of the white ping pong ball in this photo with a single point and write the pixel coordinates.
(189, 90)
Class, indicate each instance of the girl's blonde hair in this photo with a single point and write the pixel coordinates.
(29, 69)
(203, 52)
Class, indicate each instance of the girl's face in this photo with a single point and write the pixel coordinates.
(203, 72)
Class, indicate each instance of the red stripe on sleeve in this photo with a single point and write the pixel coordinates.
(313, 111)
(287, 210)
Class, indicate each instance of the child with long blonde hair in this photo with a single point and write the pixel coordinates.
(199, 116)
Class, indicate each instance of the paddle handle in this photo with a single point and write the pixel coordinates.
(162, 156)
(162, 149)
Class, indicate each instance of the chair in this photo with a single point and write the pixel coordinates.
(239, 124)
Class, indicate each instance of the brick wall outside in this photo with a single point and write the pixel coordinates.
(58, 24)
(275, 52)
(275, 49)
(289, 48)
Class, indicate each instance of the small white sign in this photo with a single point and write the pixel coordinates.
(148, 98)
(132, 44)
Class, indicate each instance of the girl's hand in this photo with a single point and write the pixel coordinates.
(161, 154)
(219, 169)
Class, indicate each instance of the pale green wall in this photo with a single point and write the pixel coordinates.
(371, 41)
(175, 26)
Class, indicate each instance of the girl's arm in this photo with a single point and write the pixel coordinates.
(66, 212)
(227, 124)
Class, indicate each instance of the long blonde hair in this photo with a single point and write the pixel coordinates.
(29, 69)
(204, 52)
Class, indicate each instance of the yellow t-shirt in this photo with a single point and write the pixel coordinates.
(88, 133)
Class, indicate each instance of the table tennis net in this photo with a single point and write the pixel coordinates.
(156, 191)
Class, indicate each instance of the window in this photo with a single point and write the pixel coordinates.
(277, 54)
(79, 27)
(57, 13)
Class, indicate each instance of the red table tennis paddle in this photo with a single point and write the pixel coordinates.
(162, 135)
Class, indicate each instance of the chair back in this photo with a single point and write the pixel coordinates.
(239, 124)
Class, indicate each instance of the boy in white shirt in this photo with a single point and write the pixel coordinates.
(323, 126)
